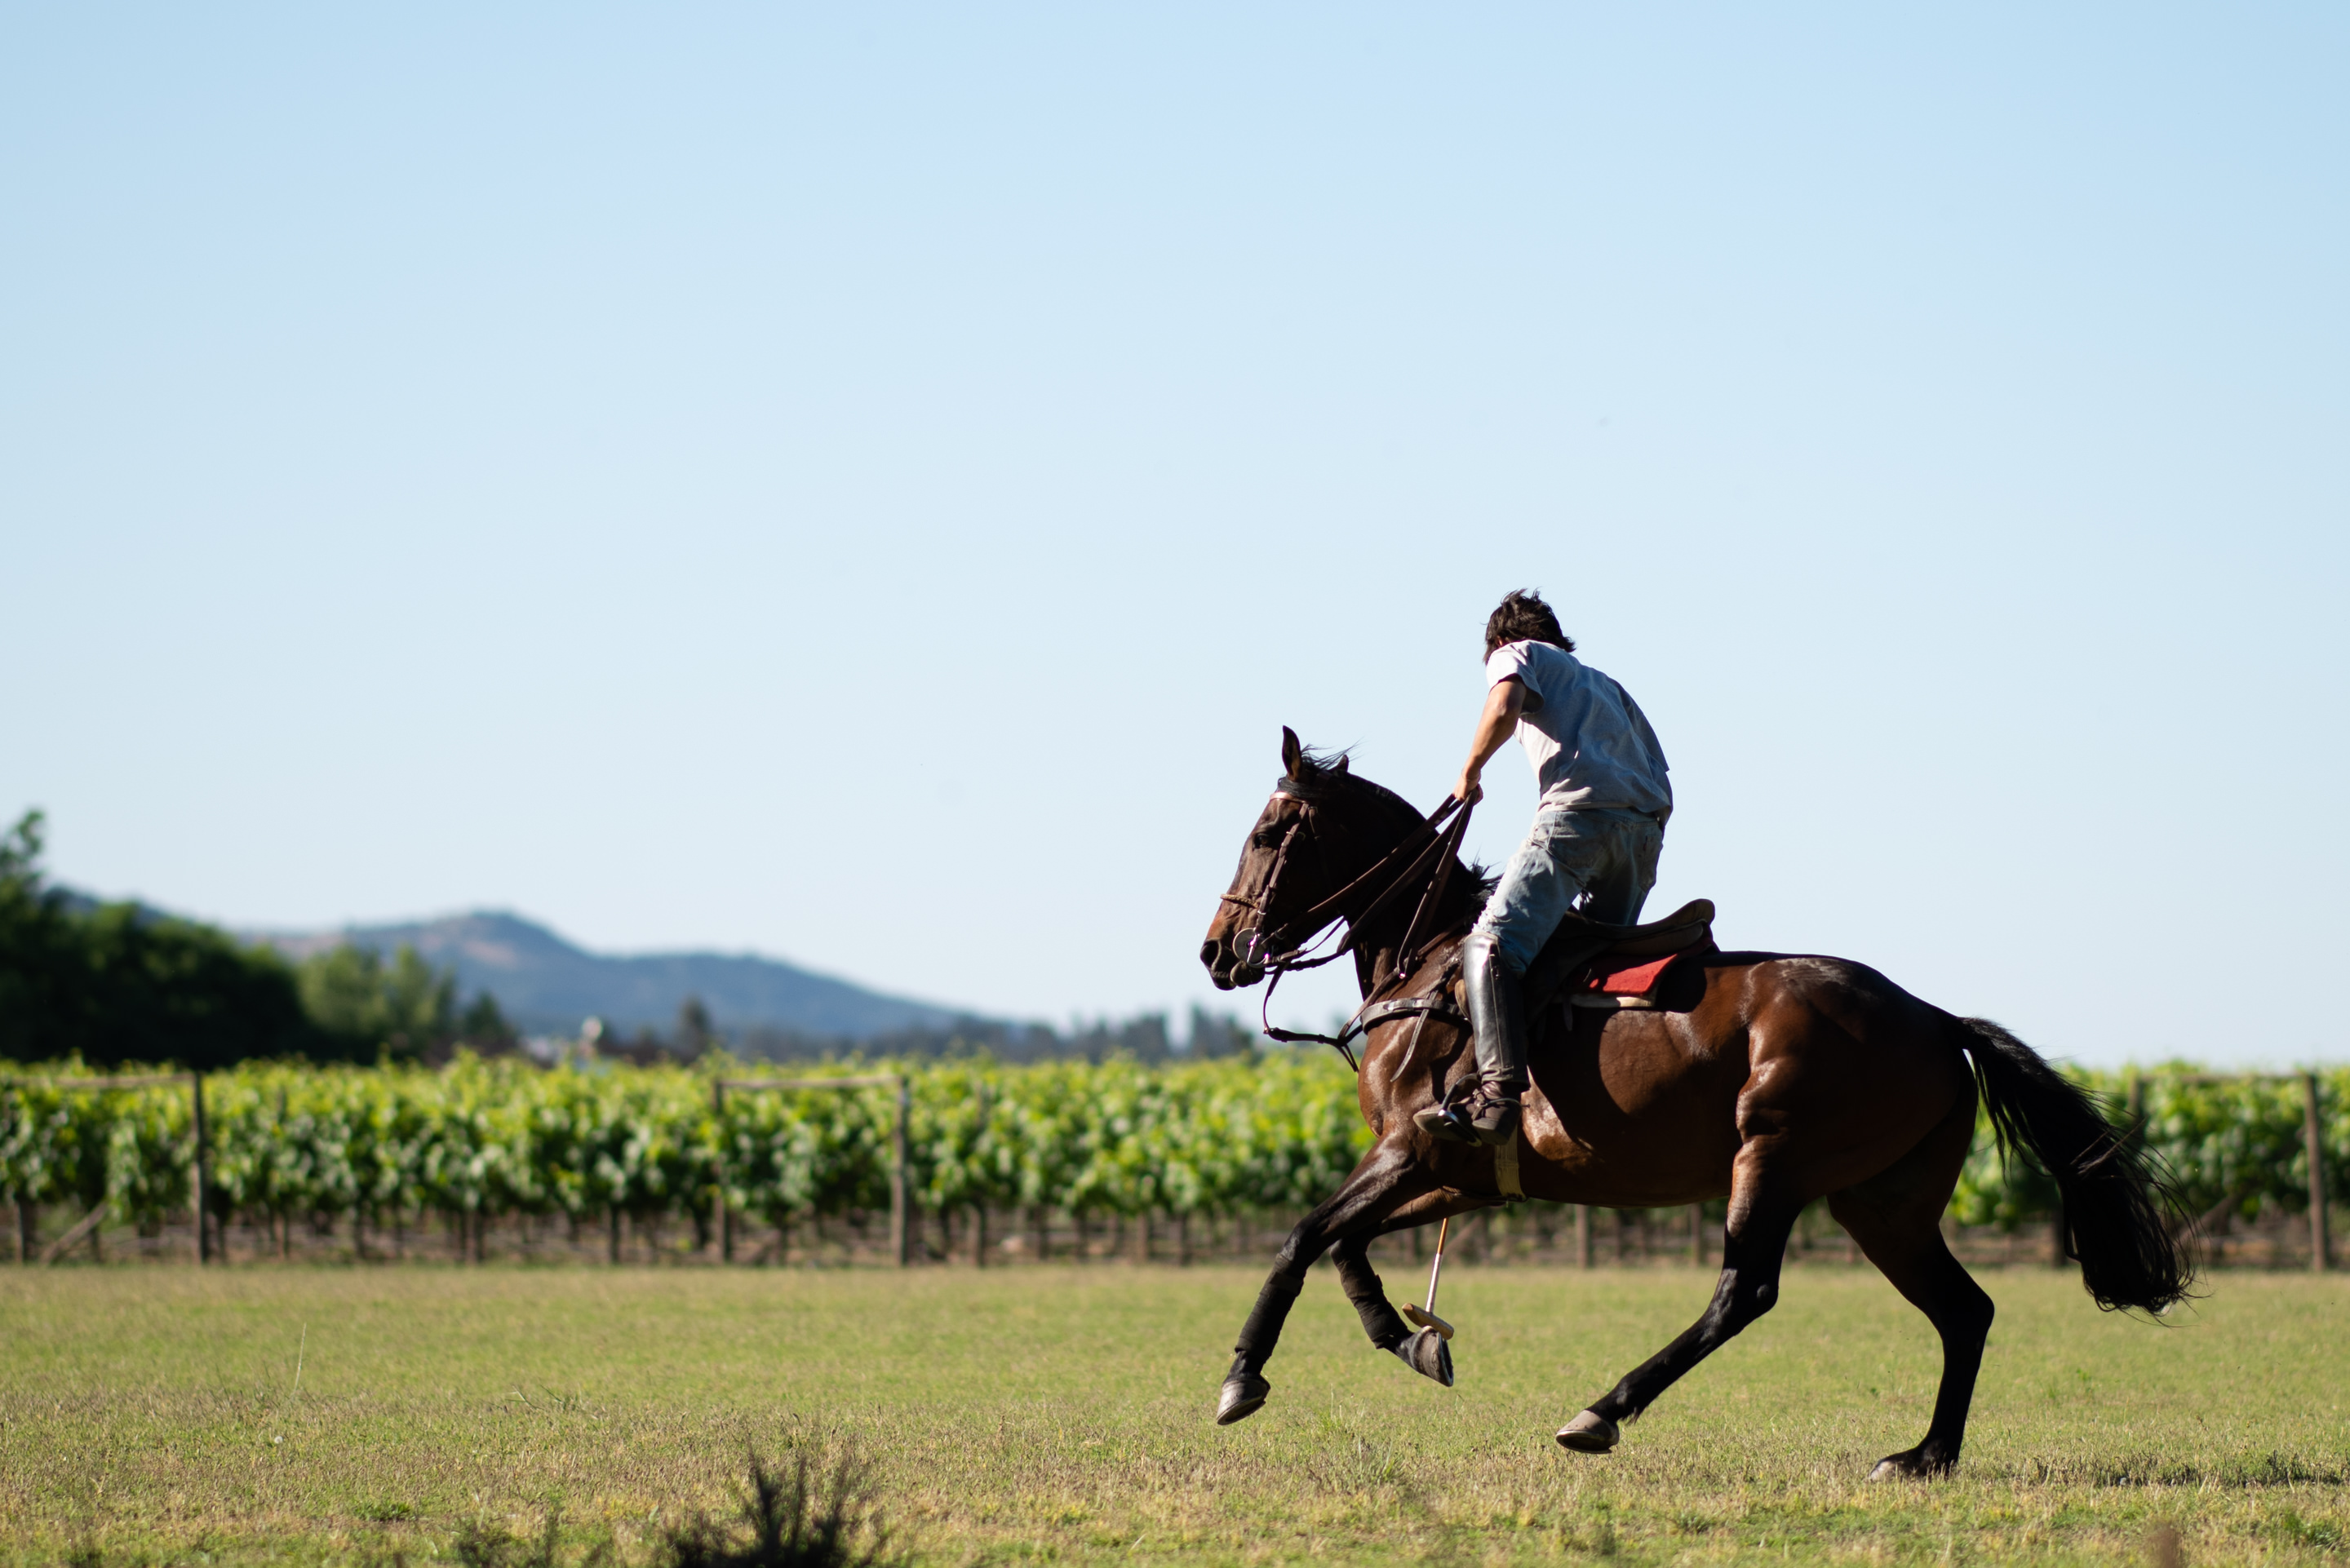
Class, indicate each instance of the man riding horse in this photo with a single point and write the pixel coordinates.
(1592, 850)
(1772, 1080)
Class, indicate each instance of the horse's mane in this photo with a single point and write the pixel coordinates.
(1327, 769)
(1330, 771)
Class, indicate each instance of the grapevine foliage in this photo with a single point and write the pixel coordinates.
(503, 1138)
(1276, 1130)
(2238, 1141)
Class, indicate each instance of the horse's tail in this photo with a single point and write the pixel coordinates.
(2117, 1207)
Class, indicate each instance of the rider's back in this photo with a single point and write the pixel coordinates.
(1590, 744)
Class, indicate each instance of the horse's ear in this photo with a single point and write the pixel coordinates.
(1293, 751)
(1341, 767)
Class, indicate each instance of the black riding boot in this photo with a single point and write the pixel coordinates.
(1497, 1013)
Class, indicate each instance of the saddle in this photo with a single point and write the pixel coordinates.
(1586, 963)
(1598, 965)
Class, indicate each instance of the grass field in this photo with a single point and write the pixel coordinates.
(153, 1415)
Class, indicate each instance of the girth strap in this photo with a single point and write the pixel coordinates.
(1435, 1005)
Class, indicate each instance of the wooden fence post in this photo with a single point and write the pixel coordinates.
(2316, 1134)
(724, 1220)
(203, 1174)
(1697, 1234)
(901, 1231)
(1583, 1235)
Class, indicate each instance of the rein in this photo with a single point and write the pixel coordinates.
(1433, 858)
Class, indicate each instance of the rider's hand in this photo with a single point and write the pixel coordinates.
(1503, 706)
(1503, 702)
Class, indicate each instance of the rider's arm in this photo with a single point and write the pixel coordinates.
(1496, 724)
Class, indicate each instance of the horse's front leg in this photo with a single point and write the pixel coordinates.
(1387, 1179)
(1425, 1351)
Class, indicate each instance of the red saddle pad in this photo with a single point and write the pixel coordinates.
(1638, 981)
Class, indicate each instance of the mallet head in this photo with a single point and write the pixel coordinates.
(1421, 1319)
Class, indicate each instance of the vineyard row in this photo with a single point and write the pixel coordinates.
(1274, 1131)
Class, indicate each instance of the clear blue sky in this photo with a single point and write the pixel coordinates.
(868, 486)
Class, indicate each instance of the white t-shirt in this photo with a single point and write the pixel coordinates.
(1588, 741)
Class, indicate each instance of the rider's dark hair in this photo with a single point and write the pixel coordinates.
(1523, 618)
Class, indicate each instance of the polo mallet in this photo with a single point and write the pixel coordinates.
(1425, 1317)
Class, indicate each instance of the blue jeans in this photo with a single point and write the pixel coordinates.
(1598, 862)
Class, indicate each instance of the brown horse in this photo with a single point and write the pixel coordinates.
(1770, 1079)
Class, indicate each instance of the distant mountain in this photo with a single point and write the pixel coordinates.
(545, 985)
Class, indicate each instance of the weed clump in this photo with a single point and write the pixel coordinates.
(806, 1515)
(809, 1517)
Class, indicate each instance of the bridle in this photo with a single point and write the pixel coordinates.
(1424, 859)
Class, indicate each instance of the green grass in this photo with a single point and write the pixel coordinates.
(151, 1415)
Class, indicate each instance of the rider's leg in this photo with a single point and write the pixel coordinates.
(1497, 1019)
(1497, 1012)
(1604, 860)
(1623, 867)
(1537, 889)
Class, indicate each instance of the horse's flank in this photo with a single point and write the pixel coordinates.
(1650, 1107)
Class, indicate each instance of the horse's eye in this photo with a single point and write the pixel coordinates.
(1266, 838)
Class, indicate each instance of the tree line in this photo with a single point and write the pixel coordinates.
(109, 983)
(114, 983)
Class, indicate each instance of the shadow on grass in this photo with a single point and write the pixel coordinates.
(482, 1545)
(804, 1515)
(2146, 1470)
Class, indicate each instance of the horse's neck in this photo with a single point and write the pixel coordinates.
(1377, 947)
(1376, 944)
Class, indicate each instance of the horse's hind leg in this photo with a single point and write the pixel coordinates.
(1386, 1179)
(1761, 1213)
(1896, 1218)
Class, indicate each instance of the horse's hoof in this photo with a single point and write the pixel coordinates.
(1908, 1464)
(1589, 1433)
(1427, 1353)
(1244, 1395)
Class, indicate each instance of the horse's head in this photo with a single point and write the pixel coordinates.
(1322, 827)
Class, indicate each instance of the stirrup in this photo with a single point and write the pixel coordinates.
(1445, 1124)
(1460, 1123)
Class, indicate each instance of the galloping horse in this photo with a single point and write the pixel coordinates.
(1772, 1079)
